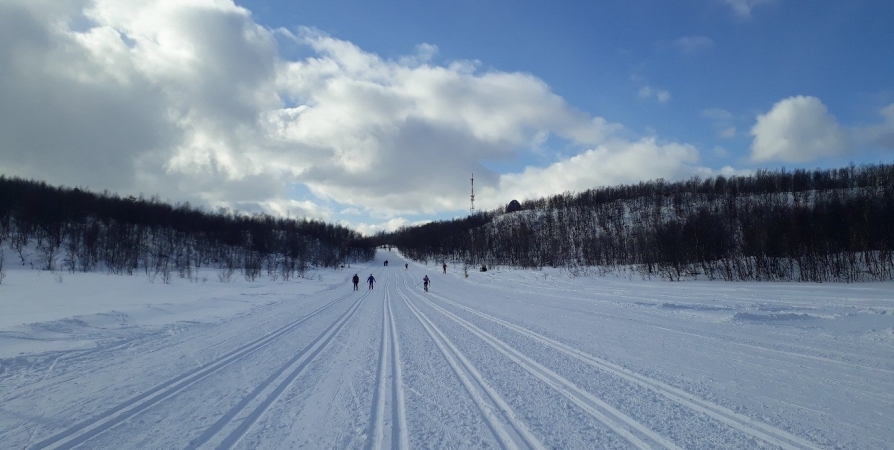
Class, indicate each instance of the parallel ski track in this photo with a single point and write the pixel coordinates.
(389, 352)
(740, 422)
(783, 353)
(274, 387)
(628, 428)
(493, 407)
(83, 431)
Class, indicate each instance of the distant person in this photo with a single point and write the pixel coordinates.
(371, 280)
(445, 267)
(386, 263)
(356, 281)
(425, 282)
(406, 266)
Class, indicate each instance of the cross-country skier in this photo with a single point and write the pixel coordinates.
(425, 283)
(445, 267)
(356, 281)
(371, 280)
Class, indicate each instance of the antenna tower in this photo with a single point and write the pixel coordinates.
(472, 197)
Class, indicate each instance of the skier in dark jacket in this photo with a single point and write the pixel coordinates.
(425, 282)
(356, 281)
(371, 280)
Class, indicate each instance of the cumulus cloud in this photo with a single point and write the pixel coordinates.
(798, 129)
(743, 8)
(649, 92)
(192, 100)
(613, 162)
(722, 121)
(880, 135)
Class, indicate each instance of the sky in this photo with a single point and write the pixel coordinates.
(377, 114)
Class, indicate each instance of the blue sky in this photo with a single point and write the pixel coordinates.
(375, 114)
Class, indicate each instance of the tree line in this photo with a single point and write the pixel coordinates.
(58, 228)
(802, 225)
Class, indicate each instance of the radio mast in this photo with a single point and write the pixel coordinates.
(472, 197)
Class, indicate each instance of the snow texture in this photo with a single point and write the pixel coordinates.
(504, 359)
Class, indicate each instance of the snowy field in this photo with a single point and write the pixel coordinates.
(503, 359)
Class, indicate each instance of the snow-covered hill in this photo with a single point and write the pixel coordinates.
(502, 359)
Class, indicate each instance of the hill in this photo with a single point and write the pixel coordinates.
(56, 228)
(821, 225)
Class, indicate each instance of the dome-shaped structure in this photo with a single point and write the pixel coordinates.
(514, 206)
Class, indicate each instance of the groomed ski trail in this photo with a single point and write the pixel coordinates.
(747, 425)
(509, 431)
(389, 369)
(85, 430)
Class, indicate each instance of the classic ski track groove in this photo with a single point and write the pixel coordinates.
(735, 420)
(389, 351)
(597, 408)
(463, 368)
(790, 354)
(400, 413)
(90, 428)
(275, 388)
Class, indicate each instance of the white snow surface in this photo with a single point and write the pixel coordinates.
(500, 359)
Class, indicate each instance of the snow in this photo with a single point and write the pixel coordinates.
(500, 359)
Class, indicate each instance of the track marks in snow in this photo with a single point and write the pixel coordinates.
(632, 431)
(510, 432)
(389, 369)
(742, 423)
(269, 391)
(82, 432)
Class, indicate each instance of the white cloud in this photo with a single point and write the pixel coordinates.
(798, 129)
(722, 121)
(880, 135)
(743, 8)
(191, 100)
(647, 92)
(728, 133)
(693, 45)
(614, 162)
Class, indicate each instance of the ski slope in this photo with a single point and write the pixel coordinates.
(505, 359)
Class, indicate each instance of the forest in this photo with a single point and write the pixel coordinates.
(801, 225)
(70, 229)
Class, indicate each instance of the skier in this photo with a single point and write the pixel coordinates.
(406, 266)
(356, 281)
(425, 283)
(371, 280)
(445, 267)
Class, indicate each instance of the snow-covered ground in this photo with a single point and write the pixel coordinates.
(501, 359)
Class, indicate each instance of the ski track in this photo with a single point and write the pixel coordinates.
(634, 432)
(784, 355)
(482, 370)
(389, 352)
(84, 431)
(502, 421)
(735, 420)
(270, 390)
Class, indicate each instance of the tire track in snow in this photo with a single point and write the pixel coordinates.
(740, 422)
(270, 390)
(628, 428)
(389, 352)
(498, 414)
(90, 428)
